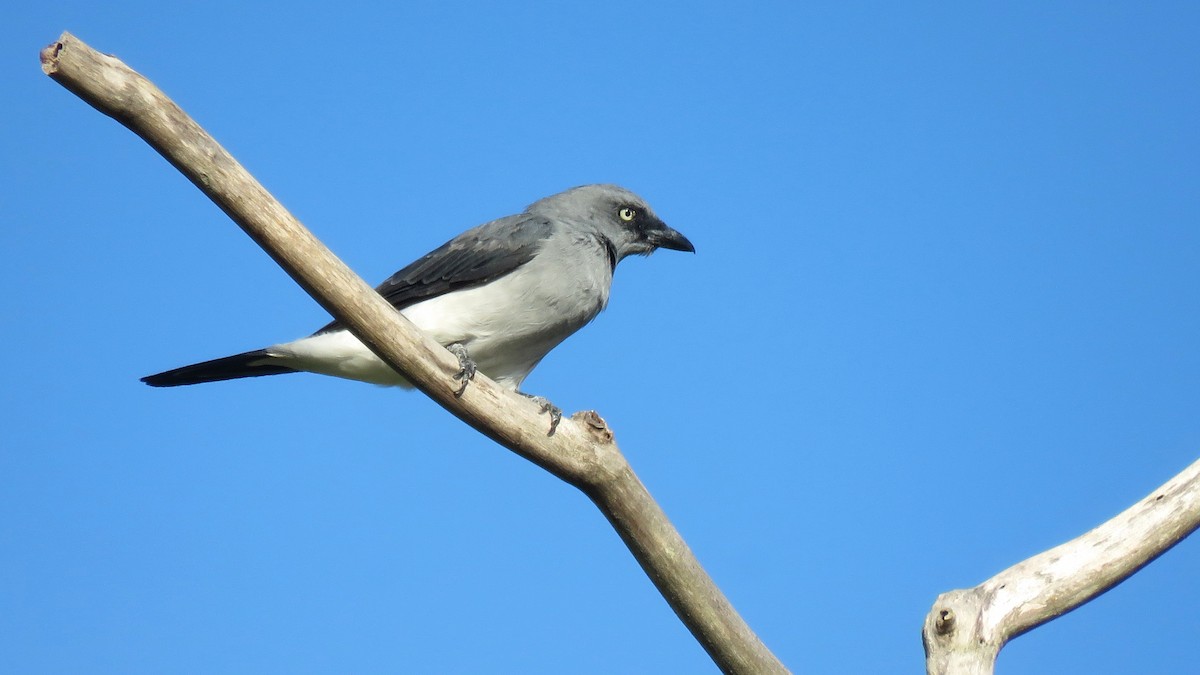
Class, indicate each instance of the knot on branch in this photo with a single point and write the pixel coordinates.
(595, 425)
(49, 55)
(944, 624)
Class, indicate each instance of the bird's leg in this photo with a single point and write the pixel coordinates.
(466, 366)
(554, 411)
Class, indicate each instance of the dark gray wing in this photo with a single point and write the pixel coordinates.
(473, 258)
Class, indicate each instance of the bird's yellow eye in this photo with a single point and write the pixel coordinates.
(627, 214)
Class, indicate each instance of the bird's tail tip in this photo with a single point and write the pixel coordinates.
(247, 364)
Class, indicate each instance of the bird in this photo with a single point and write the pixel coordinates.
(500, 296)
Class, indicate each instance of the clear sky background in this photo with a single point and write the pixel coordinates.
(944, 314)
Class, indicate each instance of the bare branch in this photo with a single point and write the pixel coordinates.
(581, 452)
(966, 629)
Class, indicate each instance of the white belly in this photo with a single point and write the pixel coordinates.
(507, 325)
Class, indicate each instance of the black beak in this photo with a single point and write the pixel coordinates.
(663, 236)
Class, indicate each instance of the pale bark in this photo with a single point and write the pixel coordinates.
(581, 452)
(966, 629)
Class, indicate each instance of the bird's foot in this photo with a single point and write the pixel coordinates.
(547, 407)
(466, 367)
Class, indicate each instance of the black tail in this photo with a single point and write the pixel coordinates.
(249, 364)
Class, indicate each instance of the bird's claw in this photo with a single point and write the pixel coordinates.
(547, 407)
(466, 367)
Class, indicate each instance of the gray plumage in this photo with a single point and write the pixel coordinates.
(507, 291)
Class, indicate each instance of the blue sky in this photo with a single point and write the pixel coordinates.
(943, 315)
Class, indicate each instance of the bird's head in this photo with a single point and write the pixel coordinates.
(623, 218)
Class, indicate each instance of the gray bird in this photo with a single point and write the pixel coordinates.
(499, 296)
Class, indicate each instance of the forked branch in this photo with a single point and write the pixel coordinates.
(966, 629)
